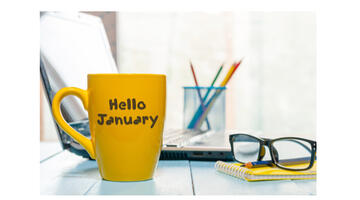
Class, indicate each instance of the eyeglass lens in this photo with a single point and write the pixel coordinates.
(246, 148)
(293, 153)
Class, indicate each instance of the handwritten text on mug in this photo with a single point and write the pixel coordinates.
(129, 104)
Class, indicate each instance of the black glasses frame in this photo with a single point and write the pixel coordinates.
(273, 152)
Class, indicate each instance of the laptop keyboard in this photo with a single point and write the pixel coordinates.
(179, 137)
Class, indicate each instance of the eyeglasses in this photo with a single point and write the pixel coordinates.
(290, 153)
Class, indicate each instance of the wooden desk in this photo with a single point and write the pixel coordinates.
(65, 173)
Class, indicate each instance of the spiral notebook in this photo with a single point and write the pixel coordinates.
(263, 173)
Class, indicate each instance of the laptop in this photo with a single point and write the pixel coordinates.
(73, 45)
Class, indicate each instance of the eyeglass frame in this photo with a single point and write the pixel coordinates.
(268, 142)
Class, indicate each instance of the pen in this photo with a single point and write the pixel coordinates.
(213, 82)
(257, 164)
(210, 103)
(292, 161)
(199, 94)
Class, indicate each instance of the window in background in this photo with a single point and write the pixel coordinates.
(273, 92)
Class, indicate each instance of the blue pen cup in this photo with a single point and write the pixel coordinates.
(214, 108)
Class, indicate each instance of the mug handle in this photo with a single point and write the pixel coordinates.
(83, 95)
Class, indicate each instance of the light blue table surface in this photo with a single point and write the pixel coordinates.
(62, 172)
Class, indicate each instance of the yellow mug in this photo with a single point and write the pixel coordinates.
(126, 119)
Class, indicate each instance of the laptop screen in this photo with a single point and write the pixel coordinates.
(73, 45)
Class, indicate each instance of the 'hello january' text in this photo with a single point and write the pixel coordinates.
(129, 104)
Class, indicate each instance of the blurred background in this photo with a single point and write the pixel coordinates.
(272, 93)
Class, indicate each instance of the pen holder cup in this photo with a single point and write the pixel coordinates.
(210, 116)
